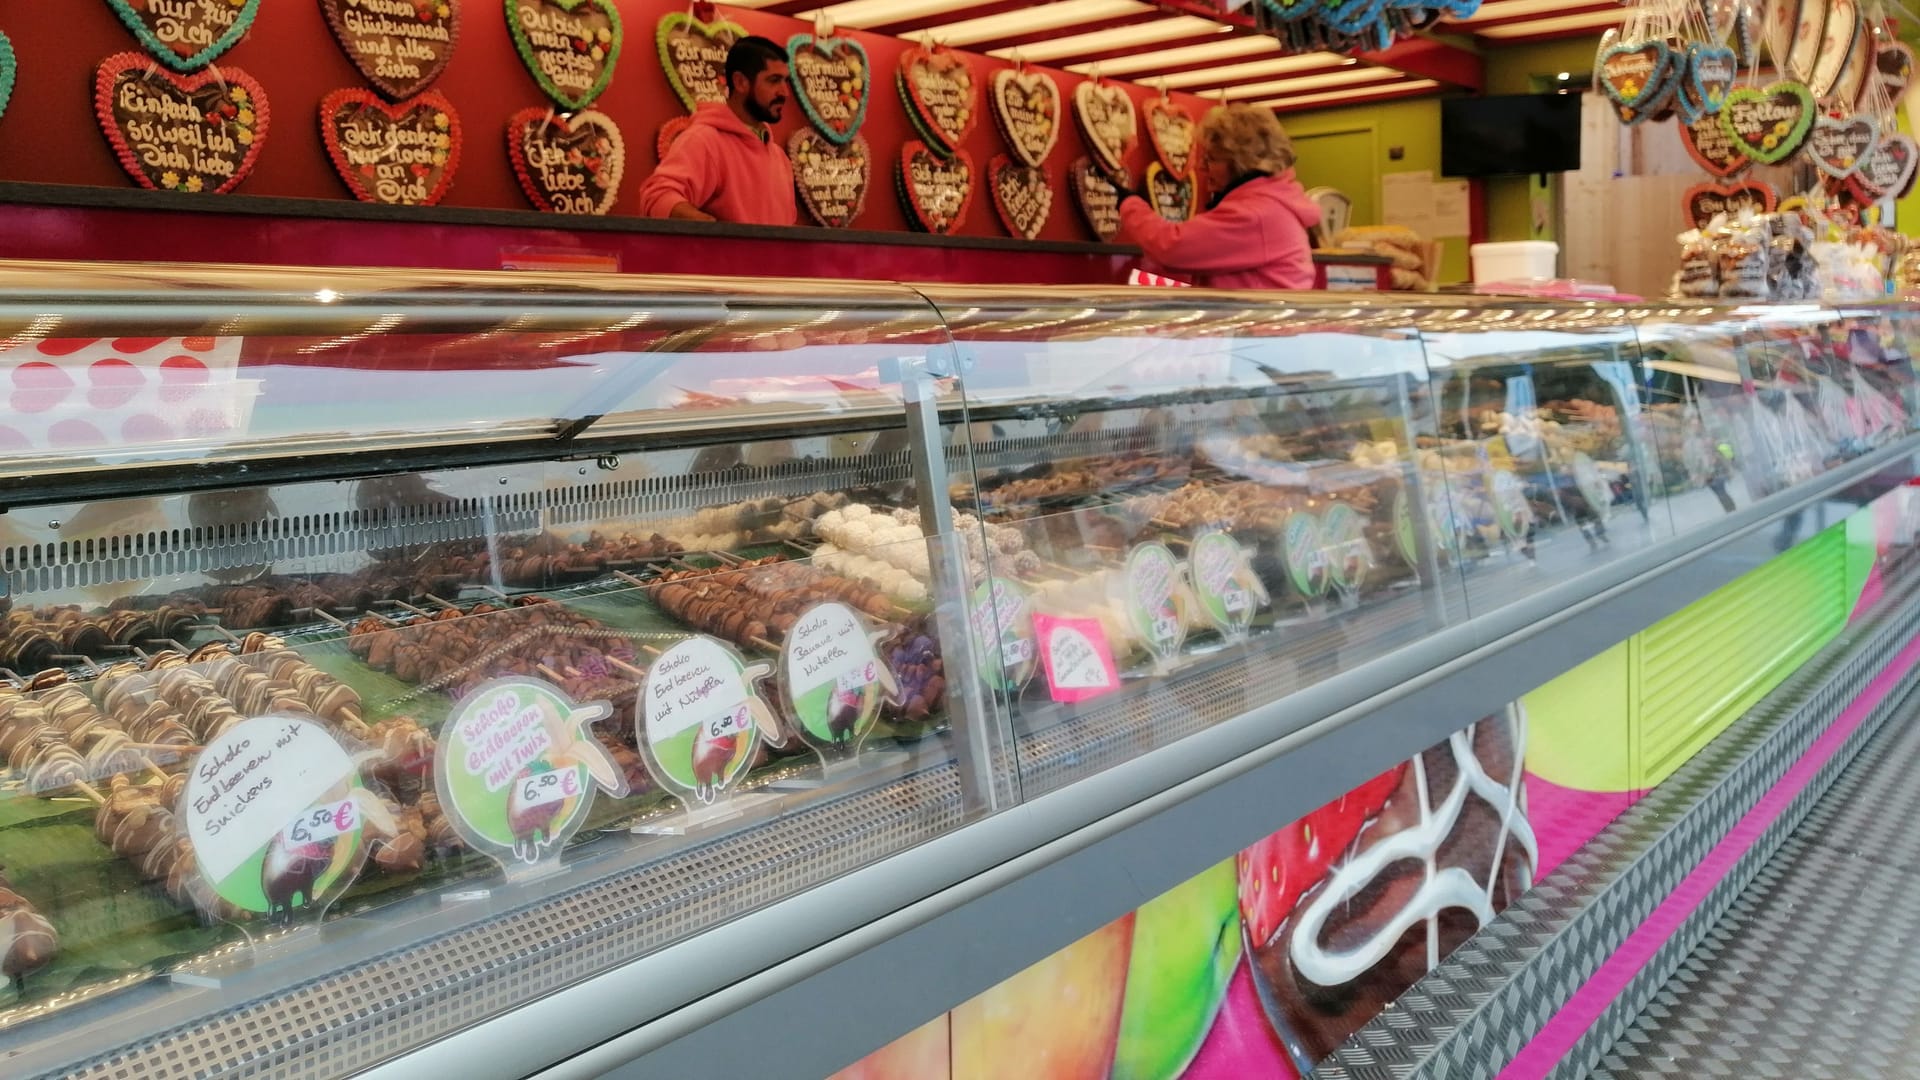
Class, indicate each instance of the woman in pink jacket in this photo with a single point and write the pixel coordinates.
(1253, 235)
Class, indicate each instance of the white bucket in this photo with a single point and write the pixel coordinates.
(1517, 260)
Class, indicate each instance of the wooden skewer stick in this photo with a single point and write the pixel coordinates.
(550, 673)
(630, 579)
(443, 603)
(650, 650)
(167, 748)
(417, 611)
(332, 618)
(629, 668)
(763, 643)
(90, 792)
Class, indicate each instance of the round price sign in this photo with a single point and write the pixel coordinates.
(833, 679)
(1510, 507)
(1152, 582)
(703, 721)
(1404, 539)
(276, 815)
(1349, 558)
(1306, 553)
(517, 768)
(1228, 590)
(1593, 487)
(1004, 645)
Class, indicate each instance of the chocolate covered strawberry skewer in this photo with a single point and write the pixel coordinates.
(28, 940)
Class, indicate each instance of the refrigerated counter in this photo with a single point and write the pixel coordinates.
(497, 672)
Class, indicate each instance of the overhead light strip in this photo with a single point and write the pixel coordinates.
(1074, 46)
(1227, 76)
(1350, 97)
(1588, 21)
(1355, 77)
(1036, 19)
(1224, 48)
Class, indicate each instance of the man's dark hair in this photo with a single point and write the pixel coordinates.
(750, 56)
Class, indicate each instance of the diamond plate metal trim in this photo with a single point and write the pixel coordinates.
(1482, 1005)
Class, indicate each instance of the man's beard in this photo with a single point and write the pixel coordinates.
(766, 114)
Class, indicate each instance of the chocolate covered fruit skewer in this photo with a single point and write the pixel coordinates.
(28, 940)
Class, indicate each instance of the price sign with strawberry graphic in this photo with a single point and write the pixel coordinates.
(1004, 648)
(704, 719)
(278, 818)
(518, 768)
(1229, 591)
(1153, 583)
(1306, 554)
(832, 680)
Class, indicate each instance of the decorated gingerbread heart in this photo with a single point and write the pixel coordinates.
(1804, 50)
(9, 72)
(936, 189)
(832, 81)
(1171, 130)
(1850, 85)
(1021, 196)
(1097, 196)
(694, 56)
(1633, 73)
(1704, 202)
(196, 133)
(400, 155)
(400, 46)
(1886, 171)
(1172, 197)
(1836, 146)
(184, 35)
(569, 46)
(1844, 32)
(567, 164)
(1026, 105)
(1711, 72)
(1107, 122)
(1708, 143)
(941, 94)
(670, 131)
(831, 178)
(1893, 65)
(1769, 124)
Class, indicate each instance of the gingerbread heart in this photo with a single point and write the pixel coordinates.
(941, 93)
(670, 131)
(1711, 72)
(1769, 124)
(569, 46)
(1633, 73)
(1851, 83)
(186, 35)
(1098, 198)
(400, 155)
(1808, 32)
(197, 133)
(832, 80)
(1662, 104)
(402, 46)
(9, 71)
(694, 56)
(1746, 33)
(832, 178)
(1704, 202)
(1844, 30)
(1777, 26)
(1709, 144)
(1172, 197)
(1026, 104)
(1886, 172)
(936, 189)
(1171, 130)
(1893, 64)
(567, 164)
(1107, 121)
(1836, 146)
(1021, 196)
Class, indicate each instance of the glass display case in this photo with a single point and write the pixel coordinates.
(385, 652)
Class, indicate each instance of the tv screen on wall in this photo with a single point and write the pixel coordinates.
(1511, 135)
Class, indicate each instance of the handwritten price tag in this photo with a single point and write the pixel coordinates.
(1236, 600)
(854, 681)
(550, 787)
(731, 724)
(323, 823)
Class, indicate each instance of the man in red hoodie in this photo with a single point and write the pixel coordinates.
(726, 166)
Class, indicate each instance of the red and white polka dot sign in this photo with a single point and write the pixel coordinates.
(69, 394)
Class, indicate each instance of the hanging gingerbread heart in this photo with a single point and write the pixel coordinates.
(1893, 62)
(936, 189)
(1852, 80)
(1704, 202)
(194, 133)
(569, 46)
(1634, 73)
(1097, 196)
(1021, 196)
(1107, 122)
(1886, 172)
(1658, 106)
(1836, 146)
(1804, 52)
(399, 155)
(567, 164)
(9, 72)
(669, 131)
(1844, 32)
(1171, 196)
(832, 80)
(1026, 105)
(831, 177)
(1171, 130)
(1746, 34)
(401, 47)
(1711, 72)
(942, 94)
(1708, 143)
(1769, 124)
(1778, 22)
(186, 35)
(694, 56)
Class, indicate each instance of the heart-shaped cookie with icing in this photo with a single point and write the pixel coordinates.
(1769, 124)
(694, 56)
(941, 93)
(1021, 196)
(1171, 130)
(399, 155)
(194, 133)
(1893, 66)
(569, 46)
(833, 81)
(1704, 202)
(1633, 73)
(1886, 171)
(567, 164)
(1107, 121)
(669, 132)
(1097, 196)
(1836, 147)
(1026, 106)
(831, 178)
(1711, 71)
(400, 51)
(936, 189)
(186, 35)
(1172, 197)
(9, 72)
(1708, 143)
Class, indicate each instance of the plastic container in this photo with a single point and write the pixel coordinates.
(1517, 260)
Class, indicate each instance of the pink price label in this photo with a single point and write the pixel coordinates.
(323, 823)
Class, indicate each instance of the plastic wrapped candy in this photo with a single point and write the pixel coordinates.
(1699, 273)
(1743, 257)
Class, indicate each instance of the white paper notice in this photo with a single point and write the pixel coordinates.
(1407, 199)
(1452, 215)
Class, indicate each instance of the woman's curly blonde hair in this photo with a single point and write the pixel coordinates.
(1248, 139)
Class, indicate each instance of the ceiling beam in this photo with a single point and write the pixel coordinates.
(1206, 88)
(1428, 58)
(792, 7)
(1015, 41)
(1480, 25)
(1134, 50)
(902, 27)
(1335, 100)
